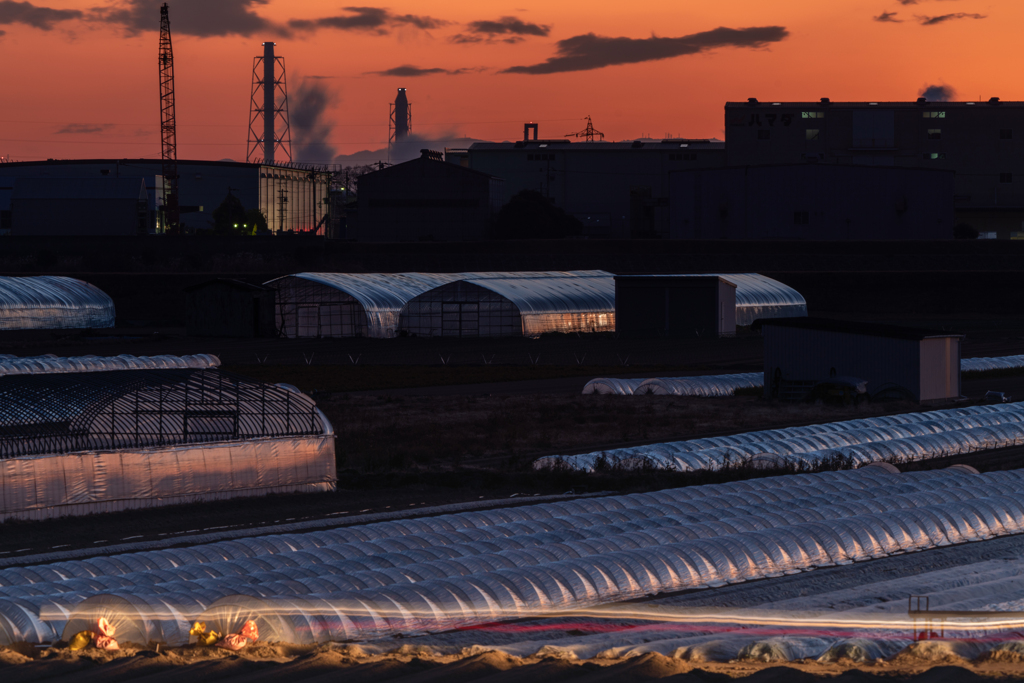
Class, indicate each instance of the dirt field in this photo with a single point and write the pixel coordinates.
(270, 664)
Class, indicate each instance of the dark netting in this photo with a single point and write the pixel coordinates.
(64, 413)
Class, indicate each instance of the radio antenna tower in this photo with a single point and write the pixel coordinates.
(269, 103)
(587, 133)
(168, 127)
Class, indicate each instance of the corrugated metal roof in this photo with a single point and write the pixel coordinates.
(79, 188)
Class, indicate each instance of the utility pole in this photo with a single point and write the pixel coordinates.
(168, 127)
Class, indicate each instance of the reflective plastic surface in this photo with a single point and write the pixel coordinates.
(52, 302)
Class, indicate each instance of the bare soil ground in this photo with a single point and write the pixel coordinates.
(269, 663)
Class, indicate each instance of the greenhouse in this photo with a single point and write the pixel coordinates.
(81, 435)
(49, 302)
(347, 304)
(413, 575)
(894, 438)
(758, 296)
(514, 305)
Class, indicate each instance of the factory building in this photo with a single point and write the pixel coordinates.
(812, 202)
(896, 362)
(982, 143)
(615, 189)
(291, 198)
(426, 199)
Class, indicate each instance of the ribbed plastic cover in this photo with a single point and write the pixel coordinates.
(455, 570)
(51, 365)
(52, 302)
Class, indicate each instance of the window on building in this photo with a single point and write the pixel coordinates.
(934, 114)
(764, 135)
(1006, 177)
(934, 133)
(801, 217)
(934, 155)
(1006, 134)
(812, 133)
(812, 115)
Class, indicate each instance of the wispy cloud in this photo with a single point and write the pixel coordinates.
(410, 71)
(378, 20)
(84, 128)
(943, 18)
(13, 12)
(505, 29)
(889, 17)
(590, 51)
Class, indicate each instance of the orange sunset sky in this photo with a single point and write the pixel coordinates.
(80, 76)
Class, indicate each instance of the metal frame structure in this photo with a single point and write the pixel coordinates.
(168, 126)
(257, 142)
(52, 414)
(461, 309)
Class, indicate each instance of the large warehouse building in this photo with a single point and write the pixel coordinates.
(291, 198)
(91, 434)
(615, 189)
(812, 202)
(982, 142)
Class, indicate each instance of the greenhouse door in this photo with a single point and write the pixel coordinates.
(460, 319)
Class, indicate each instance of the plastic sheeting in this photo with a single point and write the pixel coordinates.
(51, 365)
(558, 301)
(725, 385)
(892, 438)
(997, 363)
(52, 302)
(106, 481)
(758, 296)
(447, 571)
(550, 301)
(381, 295)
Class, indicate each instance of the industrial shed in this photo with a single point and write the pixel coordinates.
(347, 304)
(50, 302)
(514, 305)
(799, 353)
(91, 434)
(229, 308)
(674, 306)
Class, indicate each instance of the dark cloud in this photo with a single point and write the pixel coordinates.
(938, 93)
(589, 51)
(192, 17)
(83, 128)
(12, 12)
(505, 29)
(942, 18)
(888, 17)
(310, 127)
(374, 19)
(410, 71)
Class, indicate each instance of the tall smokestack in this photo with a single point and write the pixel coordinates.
(269, 113)
(401, 115)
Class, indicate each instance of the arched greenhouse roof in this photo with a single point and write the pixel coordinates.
(759, 296)
(406, 576)
(52, 302)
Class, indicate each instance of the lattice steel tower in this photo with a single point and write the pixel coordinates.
(400, 122)
(168, 132)
(269, 103)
